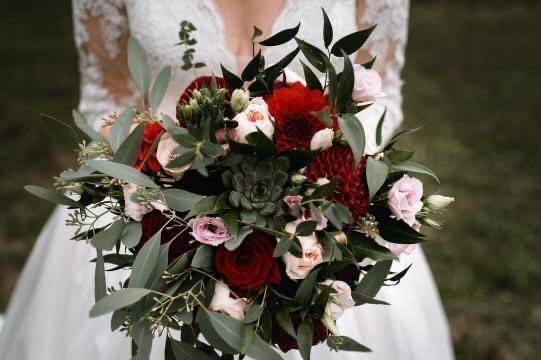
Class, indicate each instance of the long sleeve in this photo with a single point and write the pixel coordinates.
(388, 43)
(101, 33)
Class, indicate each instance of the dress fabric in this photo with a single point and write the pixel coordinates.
(48, 314)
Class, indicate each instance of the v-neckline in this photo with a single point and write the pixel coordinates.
(213, 8)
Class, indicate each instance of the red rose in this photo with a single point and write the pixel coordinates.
(153, 221)
(251, 265)
(292, 107)
(352, 191)
(151, 166)
(285, 342)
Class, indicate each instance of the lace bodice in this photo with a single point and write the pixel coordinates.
(102, 27)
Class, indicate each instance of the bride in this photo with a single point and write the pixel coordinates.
(48, 315)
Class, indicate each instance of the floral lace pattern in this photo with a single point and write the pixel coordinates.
(155, 24)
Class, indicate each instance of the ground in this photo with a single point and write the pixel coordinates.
(472, 77)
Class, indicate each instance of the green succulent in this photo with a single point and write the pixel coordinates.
(257, 188)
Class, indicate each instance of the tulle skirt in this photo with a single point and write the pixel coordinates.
(48, 319)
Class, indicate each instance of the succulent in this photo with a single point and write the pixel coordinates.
(257, 188)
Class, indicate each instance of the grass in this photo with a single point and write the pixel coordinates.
(471, 75)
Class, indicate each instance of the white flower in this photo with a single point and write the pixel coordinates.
(312, 254)
(239, 100)
(341, 299)
(322, 139)
(165, 155)
(438, 202)
(223, 302)
(132, 208)
(367, 86)
(369, 119)
(404, 199)
(255, 116)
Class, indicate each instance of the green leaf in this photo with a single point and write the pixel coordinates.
(159, 88)
(303, 296)
(354, 132)
(370, 64)
(344, 343)
(364, 246)
(181, 200)
(183, 351)
(138, 65)
(122, 172)
(352, 42)
(234, 243)
(306, 228)
(132, 234)
(107, 239)
(281, 37)
(282, 247)
(59, 131)
(260, 350)
(315, 56)
(52, 196)
(345, 86)
(232, 80)
(361, 299)
(203, 257)
(398, 156)
(118, 318)
(128, 151)
(327, 29)
(91, 133)
(99, 277)
(142, 337)
(263, 145)
(312, 81)
(374, 278)
(256, 33)
(221, 331)
(305, 335)
(379, 128)
(338, 214)
(376, 174)
(183, 160)
(252, 68)
(410, 166)
(118, 300)
(203, 206)
(284, 320)
(121, 128)
(275, 70)
(253, 313)
(145, 262)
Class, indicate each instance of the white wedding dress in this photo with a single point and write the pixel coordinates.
(48, 319)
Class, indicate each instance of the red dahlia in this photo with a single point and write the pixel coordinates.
(352, 191)
(151, 166)
(292, 107)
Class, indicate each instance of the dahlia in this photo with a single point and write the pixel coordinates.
(292, 107)
(352, 190)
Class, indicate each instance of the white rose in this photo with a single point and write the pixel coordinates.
(369, 119)
(438, 202)
(223, 302)
(255, 116)
(132, 208)
(239, 100)
(322, 139)
(312, 255)
(367, 86)
(165, 155)
(341, 299)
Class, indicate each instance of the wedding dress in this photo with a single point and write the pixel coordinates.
(48, 315)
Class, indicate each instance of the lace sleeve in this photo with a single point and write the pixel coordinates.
(387, 42)
(101, 33)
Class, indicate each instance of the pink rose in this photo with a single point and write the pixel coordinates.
(404, 199)
(223, 302)
(367, 85)
(312, 255)
(292, 200)
(255, 116)
(341, 299)
(209, 230)
(134, 209)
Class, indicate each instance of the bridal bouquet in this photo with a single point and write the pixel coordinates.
(254, 219)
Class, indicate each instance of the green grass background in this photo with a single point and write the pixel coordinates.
(472, 75)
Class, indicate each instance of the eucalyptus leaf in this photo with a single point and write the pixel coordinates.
(142, 336)
(354, 132)
(376, 174)
(183, 351)
(159, 88)
(128, 151)
(107, 239)
(373, 280)
(132, 234)
(82, 125)
(52, 196)
(203, 257)
(138, 65)
(306, 228)
(221, 331)
(59, 131)
(344, 343)
(121, 128)
(145, 262)
(99, 277)
(180, 200)
(118, 300)
(284, 320)
(261, 350)
(122, 172)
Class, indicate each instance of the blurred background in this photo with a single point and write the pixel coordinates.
(472, 75)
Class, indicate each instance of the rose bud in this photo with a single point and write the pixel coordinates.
(438, 202)
(322, 139)
(239, 100)
(367, 85)
(298, 179)
(224, 303)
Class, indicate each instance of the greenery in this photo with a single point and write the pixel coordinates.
(471, 75)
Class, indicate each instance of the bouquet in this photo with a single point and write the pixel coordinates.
(254, 219)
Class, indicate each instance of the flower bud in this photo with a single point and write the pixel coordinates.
(438, 202)
(322, 139)
(239, 100)
(340, 237)
(298, 179)
(322, 181)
